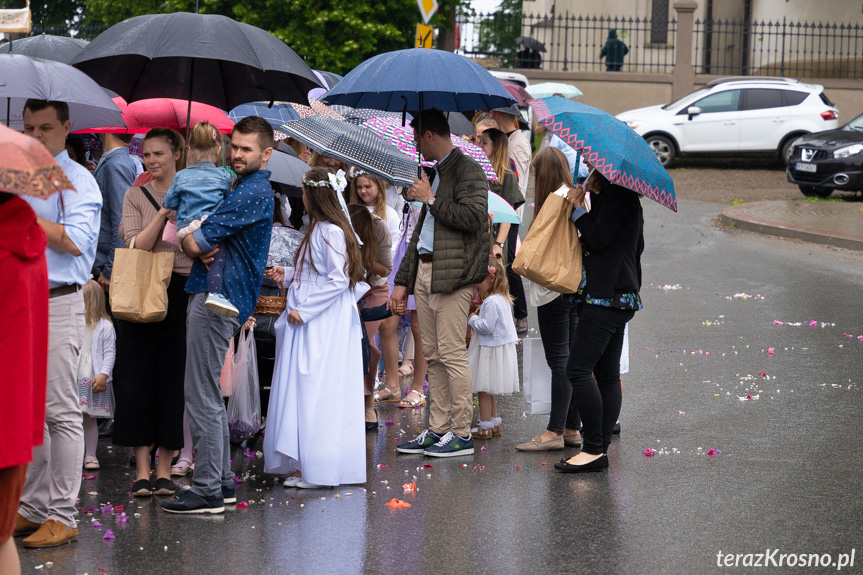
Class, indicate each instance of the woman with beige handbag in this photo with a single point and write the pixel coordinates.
(151, 357)
(556, 311)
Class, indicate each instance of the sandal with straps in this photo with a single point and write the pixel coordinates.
(390, 397)
(409, 403)
(406, 369)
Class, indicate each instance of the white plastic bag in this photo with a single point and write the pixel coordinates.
(244, 406)
(536, 377)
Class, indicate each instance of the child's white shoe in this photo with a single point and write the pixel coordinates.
(220, 304)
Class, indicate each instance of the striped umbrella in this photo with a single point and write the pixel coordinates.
(354, 145)
(402, 137)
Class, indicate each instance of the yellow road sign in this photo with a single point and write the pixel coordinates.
(425, 35)
(427, 9)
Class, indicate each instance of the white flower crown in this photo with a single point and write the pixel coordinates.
(336, 181)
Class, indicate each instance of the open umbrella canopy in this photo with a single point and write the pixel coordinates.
(531, 43)
(143, 115)
(287, 170)
(548, 89)
(27, 167)
(612, 147)
(328, 79)
(354, 145)
(503, 212)
(22, 77)
(46, 47)
(200, 57)
(278, 114)
(521, 96)
(420, 79)
(402, 137)
(316, 108)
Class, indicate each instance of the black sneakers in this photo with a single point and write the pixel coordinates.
(188, 502)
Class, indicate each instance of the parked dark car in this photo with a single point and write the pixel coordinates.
(827, 161)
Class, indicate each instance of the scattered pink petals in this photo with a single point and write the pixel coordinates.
(777, 322)
(711, 452)
(763, 374)
(97, 524)
(389, 421)
(122, 518)
(813, 323)
(107, 508)
(482, 448)
(249, 453)
(237, 480)
(109, 534)
(770, 351)
(649, 452)
(463, 465)
(382, 466)
(117, 508)
(89, 477)
(242, 505)
(428, 465)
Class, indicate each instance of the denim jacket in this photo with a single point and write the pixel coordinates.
(197, 191)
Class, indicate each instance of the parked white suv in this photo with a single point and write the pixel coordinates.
(738, 115)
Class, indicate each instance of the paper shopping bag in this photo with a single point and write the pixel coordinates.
(536, 377)
(551, 253)
(139, 284)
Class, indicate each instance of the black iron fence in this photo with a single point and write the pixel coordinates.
(570, 42)
(780, 48)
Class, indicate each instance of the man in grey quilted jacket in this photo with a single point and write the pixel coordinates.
(446, 258)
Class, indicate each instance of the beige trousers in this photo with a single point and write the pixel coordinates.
(443, 325)
(54, 475)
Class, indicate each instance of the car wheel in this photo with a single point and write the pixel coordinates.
(786, 150)
(813, 192)
(663, 148)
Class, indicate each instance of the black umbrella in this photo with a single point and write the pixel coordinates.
(531, 43)
(46, 47)
(459, 124)
(197, 57)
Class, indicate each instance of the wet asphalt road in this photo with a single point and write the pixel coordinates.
(785, 475)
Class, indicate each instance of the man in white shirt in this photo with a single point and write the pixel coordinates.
(520, 153)
(71, 221)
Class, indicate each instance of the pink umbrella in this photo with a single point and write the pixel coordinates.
(520, 94)
(402, 137)
(142, 115)
(27, 167)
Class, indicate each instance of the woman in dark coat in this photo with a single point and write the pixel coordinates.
(612, 242)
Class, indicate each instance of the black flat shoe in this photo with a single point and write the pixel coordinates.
(142, 488)
(371, 425)
(597, 464)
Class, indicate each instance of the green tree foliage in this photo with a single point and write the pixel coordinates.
(334, 35)
(498, 31)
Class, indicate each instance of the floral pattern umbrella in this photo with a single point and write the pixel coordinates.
(27, 167)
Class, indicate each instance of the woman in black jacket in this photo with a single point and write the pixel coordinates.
(612, 242)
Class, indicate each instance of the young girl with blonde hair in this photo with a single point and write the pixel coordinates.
(95, 369)
(197, 192)
(492, 354)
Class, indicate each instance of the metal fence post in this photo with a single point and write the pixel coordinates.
(782, 56)
(565, 40)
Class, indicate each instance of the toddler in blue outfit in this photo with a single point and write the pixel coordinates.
(196, 193)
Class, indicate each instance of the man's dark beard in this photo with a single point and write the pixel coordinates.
(249, 168)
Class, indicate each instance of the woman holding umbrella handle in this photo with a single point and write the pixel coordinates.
(607, 298)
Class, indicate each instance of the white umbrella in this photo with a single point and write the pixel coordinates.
(548, 89)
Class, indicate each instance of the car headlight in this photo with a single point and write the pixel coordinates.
(633, 123)
(847, 151)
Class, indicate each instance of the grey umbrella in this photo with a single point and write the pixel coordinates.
(354, 145)
(459, 125)
(531, 43)
(46, 47)
(288, 171)
(22, 77)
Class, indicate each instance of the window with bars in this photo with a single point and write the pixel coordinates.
(659, 22)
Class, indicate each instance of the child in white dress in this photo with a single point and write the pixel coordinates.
(315, 419)
(492, 354)
(95, 368)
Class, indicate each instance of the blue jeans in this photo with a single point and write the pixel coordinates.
(557, 322)
(595, 353)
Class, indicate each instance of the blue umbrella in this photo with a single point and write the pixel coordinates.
(278, 115)
(612, 147)
(420, 79)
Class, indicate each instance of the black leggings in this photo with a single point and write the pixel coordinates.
(596, 353)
